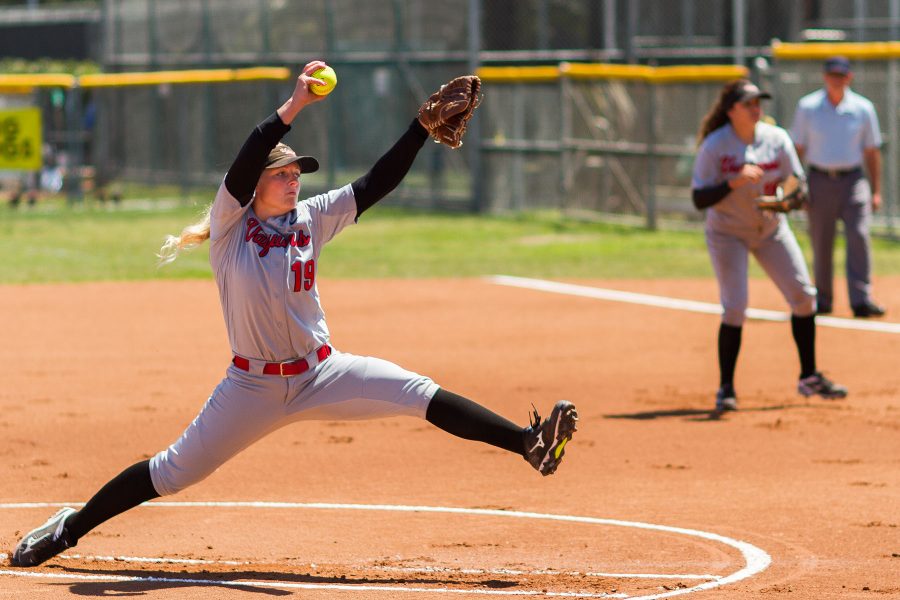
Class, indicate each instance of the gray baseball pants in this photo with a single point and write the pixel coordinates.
(846, 197)
(245, 407)
(779, 255)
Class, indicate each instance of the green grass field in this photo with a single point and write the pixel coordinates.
(54, 243)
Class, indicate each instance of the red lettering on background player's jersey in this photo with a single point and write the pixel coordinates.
(730, 164)
(267, 241)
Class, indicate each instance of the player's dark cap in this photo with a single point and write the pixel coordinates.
(282, 155)
(839, 65)
(744, 93)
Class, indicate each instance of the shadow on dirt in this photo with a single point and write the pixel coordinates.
(130, 582)
(696, 414)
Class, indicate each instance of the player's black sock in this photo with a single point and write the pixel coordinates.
(466, 419)
(128, 489)
(729, 346)
(804, 330)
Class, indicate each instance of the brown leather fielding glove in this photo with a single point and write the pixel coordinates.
(790, 195)
(447, 112)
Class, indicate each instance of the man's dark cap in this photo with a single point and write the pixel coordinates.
(839, 65)
(282, 155)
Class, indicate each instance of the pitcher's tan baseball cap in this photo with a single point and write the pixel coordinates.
(282, 155)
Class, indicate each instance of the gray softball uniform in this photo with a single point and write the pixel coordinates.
(735, 227)
(266, 275)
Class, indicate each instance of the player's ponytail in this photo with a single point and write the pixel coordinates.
(191, 236)
(718, 114)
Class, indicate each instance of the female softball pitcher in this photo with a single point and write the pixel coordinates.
(740, 160)
(264, 251)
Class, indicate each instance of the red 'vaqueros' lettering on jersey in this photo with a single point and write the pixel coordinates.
(299, 239)
(267, 241)
(730, 164)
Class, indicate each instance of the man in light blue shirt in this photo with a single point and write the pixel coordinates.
(836, 131)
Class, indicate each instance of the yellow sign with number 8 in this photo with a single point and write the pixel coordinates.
(20, 139)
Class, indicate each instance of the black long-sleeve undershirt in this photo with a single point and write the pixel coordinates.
(387, 173)
(706, 197)
(242, 177)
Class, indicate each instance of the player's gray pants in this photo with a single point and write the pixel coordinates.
(246, 407)
(847, 198)
(779, 255)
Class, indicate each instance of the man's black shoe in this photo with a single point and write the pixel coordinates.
(869, 309)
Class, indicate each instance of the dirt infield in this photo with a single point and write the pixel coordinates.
(654, 496)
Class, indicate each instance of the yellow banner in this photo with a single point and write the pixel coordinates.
(20, 139)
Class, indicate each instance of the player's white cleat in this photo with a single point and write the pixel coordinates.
(545, 442)
(45, 542)
(726, 399)
(818, 384)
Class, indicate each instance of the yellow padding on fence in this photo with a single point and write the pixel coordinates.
(519, 74)
(190, 76)
(862, 50)
(698, 73)
(37, 80)
(14, 90)
(256, 73)
(611, 71)
(605, 71)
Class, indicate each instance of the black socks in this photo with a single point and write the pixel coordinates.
(128, 489)
(466, 419)
(729, 346)
(804, 330)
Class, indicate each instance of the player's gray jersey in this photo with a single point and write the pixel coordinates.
(721, 157)
(266, 272)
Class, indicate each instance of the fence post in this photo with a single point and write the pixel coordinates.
(567, 154)
(265, 31)
(651, 153)
(475, 154)
(891, 199)
(74, 141)
(609, 25)
(631, 30)
(739, 32)
(333, 108)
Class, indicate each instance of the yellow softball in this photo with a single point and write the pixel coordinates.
(327, 75)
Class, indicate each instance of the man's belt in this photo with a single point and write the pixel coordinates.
(835, 173)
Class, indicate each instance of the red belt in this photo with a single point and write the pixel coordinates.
(285, 369)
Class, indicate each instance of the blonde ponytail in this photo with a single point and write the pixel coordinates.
(191, 236)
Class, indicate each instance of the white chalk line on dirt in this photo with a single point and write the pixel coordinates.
(756, 560)
(386, 568)
(679, 304)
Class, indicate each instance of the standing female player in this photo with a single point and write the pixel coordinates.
(264, 251)
(741, 159)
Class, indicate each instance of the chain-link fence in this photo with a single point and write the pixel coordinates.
(171, 33)
(621, 141)
(168, 33)
(603, 144)
(594, 140)
(799, 72)
(187, 134)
